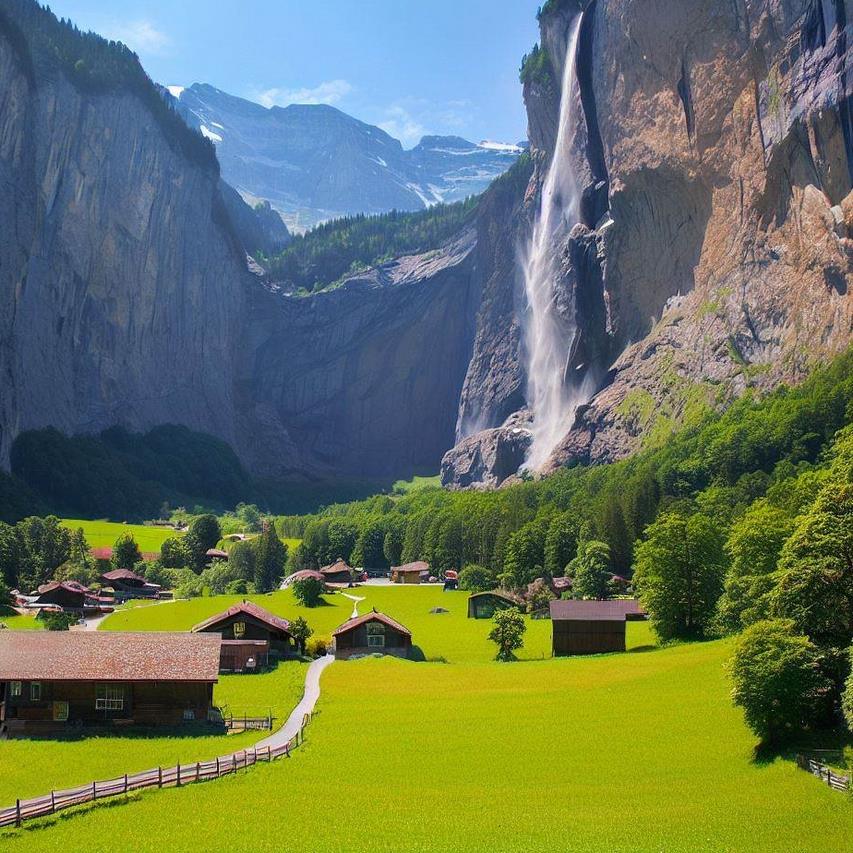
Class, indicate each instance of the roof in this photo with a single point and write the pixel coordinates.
(108, 656)
(418, 566)
(498, 594)
(216, 552)
(246, 608)
(339, 565)
(373, 616)
(122, 575)
(302, 575)
(562, 583)
(595, 611)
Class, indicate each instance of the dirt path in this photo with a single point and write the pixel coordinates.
(305, 706)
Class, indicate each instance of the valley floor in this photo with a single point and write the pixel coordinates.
(639, 751)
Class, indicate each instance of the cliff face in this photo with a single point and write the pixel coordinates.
(714, 150)
(125, 296)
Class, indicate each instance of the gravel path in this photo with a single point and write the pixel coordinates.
(305, 706)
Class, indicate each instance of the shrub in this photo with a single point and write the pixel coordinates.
(318, 646)
(301, 632)
(508, 633)
(777, 679)
(308, 591)
(847, 698)
(476, 578)
(58, 621)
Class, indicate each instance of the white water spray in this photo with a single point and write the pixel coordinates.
(548, 341)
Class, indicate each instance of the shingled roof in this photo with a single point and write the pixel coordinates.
(246, 608)
(418, 566)
(108, 656)
(122, 575)
(596, 611)
(373, 616)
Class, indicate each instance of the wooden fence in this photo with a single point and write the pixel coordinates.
(243, 724)
(816, 768)
(160, 777)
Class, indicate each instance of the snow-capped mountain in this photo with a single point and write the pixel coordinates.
(314, 162)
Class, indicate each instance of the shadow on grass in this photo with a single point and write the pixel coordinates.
(185, 732)
(825, 745)
(650, 647)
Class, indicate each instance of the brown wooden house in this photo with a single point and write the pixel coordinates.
(338, 572)
(411, 573)
(127, 584)
(51, 681)
(591, 627)
(250, 634)
(482, 605)
(370, 634)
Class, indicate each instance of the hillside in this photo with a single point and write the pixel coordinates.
(313, 162)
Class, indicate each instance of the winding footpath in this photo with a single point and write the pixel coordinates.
(305, 706)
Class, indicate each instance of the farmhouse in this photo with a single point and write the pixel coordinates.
(482, 605)
(591, 627)
(128, 584)
(374, 632)
(337, 572)
(249, 635)
(410, 572)
(53, 680)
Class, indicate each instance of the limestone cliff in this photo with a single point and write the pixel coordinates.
(715, 149)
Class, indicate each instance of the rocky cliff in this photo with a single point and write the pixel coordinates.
(714, 150)
(125, 296)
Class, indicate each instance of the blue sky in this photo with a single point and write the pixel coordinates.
(410, 66)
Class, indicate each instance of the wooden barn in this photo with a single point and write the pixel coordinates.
(482, 605)
(374, 632)
(51, 681)
(338, 572)
(591, 627)
(128, 584)
(410, 573)
(249, 634)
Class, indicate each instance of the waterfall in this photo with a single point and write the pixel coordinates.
(548, 342)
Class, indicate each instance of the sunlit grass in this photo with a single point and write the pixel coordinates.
(103, 534)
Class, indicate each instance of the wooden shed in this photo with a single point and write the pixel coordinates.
(411, 573)
(338, 572)
(53, 680)
(128, 584)
(482, 605)
(374, 632)
(591, 627)
(257, 630)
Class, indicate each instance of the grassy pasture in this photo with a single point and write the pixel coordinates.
(14, 622)
(33, 767)
(103, 534)
(617, 752)
(451, 636)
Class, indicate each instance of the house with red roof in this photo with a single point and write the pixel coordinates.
(249, 636)
(371, 634)
(51, 681)
(127, 584)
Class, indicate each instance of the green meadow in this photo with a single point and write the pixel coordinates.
(14, 622)
(34, 767)
(638, 751)
(103, 534)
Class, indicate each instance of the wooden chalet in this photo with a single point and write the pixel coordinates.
(338, 572)
(410, 573)
(591, 627)
(249, 635)
(216, 554)
(483, 605)
(127, 584)
(370, 634)
(67, 597)
(51, 681)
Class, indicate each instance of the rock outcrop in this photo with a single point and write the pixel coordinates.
(715, 151)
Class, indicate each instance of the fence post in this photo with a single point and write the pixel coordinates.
(178, 780)
(53, 802)
(217, 768)
(160, 776)
(125, 783)
(94, 791)
(196, 771)
(17, 812)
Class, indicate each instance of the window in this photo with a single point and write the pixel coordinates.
(376, 640)
(375, 628)
(239, 629)
(15, 690)
(35, 691)
(189, 715)
(109, 697)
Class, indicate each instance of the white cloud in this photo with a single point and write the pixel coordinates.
(141, 36)
(413, 118)
(329, 92)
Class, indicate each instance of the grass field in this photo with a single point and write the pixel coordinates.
(103, 534)
(620, 752)
(14, 622)
(451, 636)
(34, 767)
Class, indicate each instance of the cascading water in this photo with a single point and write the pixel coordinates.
(548, 342)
